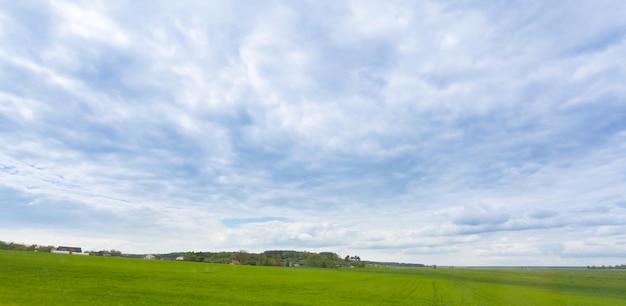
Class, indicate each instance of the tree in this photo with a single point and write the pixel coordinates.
(262, 260)
(189, 256)
(46, 248)
(317, 261)
(242, 256)
(16, 247)
(277, 260)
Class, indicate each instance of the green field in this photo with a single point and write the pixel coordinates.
(28, 278)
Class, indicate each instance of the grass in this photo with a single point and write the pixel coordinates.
(55, 279)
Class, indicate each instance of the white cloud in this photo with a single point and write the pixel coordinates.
(88, 23)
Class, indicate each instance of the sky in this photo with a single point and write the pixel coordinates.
(434, 132)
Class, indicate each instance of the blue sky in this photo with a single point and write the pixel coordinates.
(436, 132)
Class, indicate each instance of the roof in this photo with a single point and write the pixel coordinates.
(69, 249)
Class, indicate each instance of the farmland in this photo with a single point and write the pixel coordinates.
(28, 278)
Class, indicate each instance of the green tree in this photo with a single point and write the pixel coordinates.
(17, 247)
(46, 248)
(262, 260)
(277, 260)
(189, 256)
(317, 261)
(242, 256)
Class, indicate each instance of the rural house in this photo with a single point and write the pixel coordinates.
(67, 250)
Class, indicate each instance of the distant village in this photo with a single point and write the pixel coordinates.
(70, 250)
(286, 258)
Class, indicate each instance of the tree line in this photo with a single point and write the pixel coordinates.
(12, 246)
(608, 267)
(267, 258)
(287, 258)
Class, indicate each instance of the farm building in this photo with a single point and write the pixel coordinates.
(107, 253)
(67, 250)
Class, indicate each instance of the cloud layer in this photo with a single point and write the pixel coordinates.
(469, 133)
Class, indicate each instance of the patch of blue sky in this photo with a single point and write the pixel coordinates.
(29, 25)
(543, 214)
(235, 119)
(109, 72)
(600, 41)
(16, 80)
(7, 124)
